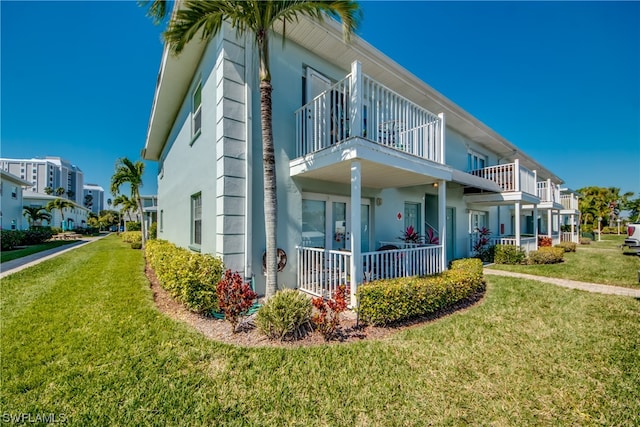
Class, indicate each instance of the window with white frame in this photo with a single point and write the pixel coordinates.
(196, 110)
(196, 219)
(475, 160)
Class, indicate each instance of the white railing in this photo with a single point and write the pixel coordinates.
(510, 177)
(548, 191)
(567, 236)
(528, 243)
(569, 201)
(390, 264)
(321, 271)
(387, 118)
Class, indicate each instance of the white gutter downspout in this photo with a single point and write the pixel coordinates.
(248, 199)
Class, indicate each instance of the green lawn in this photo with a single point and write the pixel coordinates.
(29, 250)
(600, 262)
(81, 337)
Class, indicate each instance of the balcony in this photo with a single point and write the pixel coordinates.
(359, 107)
(569, 202)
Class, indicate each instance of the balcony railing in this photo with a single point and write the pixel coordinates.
(359, 106)
(548, 191)
(510, 177)
(569, 202)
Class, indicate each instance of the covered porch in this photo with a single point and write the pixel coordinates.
(360, 135)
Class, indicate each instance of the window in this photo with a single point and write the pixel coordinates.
(476, 161)
(161, 219)
(14, 192)
(196, 219)
(196, 101)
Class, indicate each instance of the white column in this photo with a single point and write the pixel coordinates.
(356, 262)
(549, 223)
(517, 223)
(443, 126)
(516, 173)
(572, 218)
(442, 221)
(356, 99)
(535, 223)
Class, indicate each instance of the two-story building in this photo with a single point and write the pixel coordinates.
(363, 149)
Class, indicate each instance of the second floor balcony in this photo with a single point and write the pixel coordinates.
(510, 177)
(360, 107)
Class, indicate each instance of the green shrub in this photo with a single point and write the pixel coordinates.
(546, 255)
(136, 245)
(285, 316)
(9, 239)
(387, 301)
(585, 241)
(509, 254)
(133, 226)
(189, 277)
(567, 246)
(131, 236)
(153, 231)
(36, 236)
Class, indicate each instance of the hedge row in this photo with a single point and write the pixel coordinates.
(131, 236)
(34, 236)
(387, 301)
(189, 277)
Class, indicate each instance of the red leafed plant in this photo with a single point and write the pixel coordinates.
(326, 317)
(235, 297)
(544, 241)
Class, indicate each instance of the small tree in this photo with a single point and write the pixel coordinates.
(235, 297)
(60, 191)
(48, 190)
(59, 204)
(327, 315)
(35, 214)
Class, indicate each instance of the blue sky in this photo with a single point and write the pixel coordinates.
(561, 80)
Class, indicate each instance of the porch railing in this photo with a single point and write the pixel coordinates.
(528, 243)
(321, 271)
(510, 177)
(567, 236)
(386, 118)
(548, 191)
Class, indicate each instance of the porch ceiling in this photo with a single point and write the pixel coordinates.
(381, 167)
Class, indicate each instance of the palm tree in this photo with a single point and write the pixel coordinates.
(128, 172)
(205, 18)
(59, 204)
(48, 190)
(127, 204)
(36, 213)
(60, 191)
(88, 201)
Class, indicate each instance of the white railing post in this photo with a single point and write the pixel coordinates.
(516, 172)
(517, 223)
(441, 145)
(356, 88)
(549, 199)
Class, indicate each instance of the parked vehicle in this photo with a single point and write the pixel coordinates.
(633, 238)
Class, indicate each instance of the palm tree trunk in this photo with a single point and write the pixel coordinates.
(142, 224)
(270, 195)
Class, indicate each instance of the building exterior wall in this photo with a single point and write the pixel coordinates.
(11, 207)
(75, 217)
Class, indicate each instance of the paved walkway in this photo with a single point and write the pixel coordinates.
(573, 284)
(13, 266)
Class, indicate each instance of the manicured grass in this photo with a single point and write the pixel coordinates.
(600, 262)
(29, 250)
(81, 337)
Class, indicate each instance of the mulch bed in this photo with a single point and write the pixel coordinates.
(249, 336)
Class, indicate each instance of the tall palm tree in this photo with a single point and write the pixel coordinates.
(127, 206)
(60, 191)
(59, 204)
(128, 172)
(205, 18)
(36, 213)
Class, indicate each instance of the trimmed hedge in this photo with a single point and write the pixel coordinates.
(546, 255)
(509, 254)
(131, 236)
(387, 301)
(567, 246)
(33, 236)
(190, 277)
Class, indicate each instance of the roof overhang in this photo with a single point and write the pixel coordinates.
(15, 179)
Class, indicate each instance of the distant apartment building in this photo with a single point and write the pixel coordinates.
(53, 172)
(93, 198)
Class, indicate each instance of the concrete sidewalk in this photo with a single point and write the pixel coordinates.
(13, 266)
(573, 284)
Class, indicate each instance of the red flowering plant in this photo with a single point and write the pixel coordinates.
(410, 235)
(482, 246)
(235, 297)
(432, 239)
(544, 241)
(326, 316)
